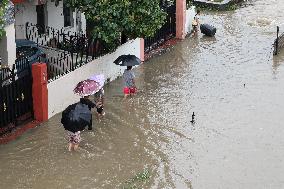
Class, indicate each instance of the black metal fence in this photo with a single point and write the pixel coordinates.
(70, 49)
(4, 73)
(51, 37)
(20, 67)
(166, 32)
(72, 42)
(278, 42)
(62, 63)
(16, 102)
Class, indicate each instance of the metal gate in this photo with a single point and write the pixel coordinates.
(278, 42)
(166, 32)
(16, 102)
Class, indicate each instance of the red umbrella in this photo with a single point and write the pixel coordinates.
(87, 87)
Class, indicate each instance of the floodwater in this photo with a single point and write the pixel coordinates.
(231, 82)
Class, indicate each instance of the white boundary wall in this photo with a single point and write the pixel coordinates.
(190, 13)
(60, 91)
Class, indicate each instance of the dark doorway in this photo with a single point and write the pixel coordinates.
(40, 10)
(68, 15)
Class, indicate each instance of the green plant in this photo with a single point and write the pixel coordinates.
(138, 178)
(189, 3)
(111, 18)
(2, 21)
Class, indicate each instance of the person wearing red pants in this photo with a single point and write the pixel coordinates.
(129, 82)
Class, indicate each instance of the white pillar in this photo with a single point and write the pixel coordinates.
(19, 22)
(8, 46)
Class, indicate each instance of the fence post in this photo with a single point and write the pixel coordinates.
(26, 27)
(142, 44)
(277, 40)
(180, 18)
(39, 91)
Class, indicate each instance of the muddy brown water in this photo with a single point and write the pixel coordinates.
(149, 142)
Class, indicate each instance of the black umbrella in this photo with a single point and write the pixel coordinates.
(127, 60)
(76, 117)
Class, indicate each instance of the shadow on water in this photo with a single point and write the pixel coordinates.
(277, 61)
(205, 38)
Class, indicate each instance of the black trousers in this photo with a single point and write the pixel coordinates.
(90, 126)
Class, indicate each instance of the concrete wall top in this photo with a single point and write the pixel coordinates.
(60, 91)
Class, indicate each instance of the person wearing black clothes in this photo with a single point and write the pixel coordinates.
(99, 100)
(85, 100)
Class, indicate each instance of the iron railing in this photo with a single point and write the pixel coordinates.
(20, 67)
(5, 72)
(16, 103)
(278, 42)
(61, 62)
(70, 49)
(166, 32)
(72, 42)
(22, 64)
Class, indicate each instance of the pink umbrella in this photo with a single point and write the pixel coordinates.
(100, 78)
(87, 87)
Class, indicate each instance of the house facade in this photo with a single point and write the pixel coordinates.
(43, 13)
(47, 13)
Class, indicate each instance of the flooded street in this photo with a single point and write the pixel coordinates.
(231, 82)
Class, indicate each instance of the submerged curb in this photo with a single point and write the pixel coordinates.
(18, 132)
(161, 49)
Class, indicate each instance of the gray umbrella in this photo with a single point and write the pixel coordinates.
(76, 117)
(127, 60)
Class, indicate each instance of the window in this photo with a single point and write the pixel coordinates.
(41, 18)
(68, 15)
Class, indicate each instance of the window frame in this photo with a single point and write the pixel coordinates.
(68, 16)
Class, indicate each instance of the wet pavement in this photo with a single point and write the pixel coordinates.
(231, 82)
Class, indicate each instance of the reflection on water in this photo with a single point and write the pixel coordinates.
(148, 141)
(277, 61)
